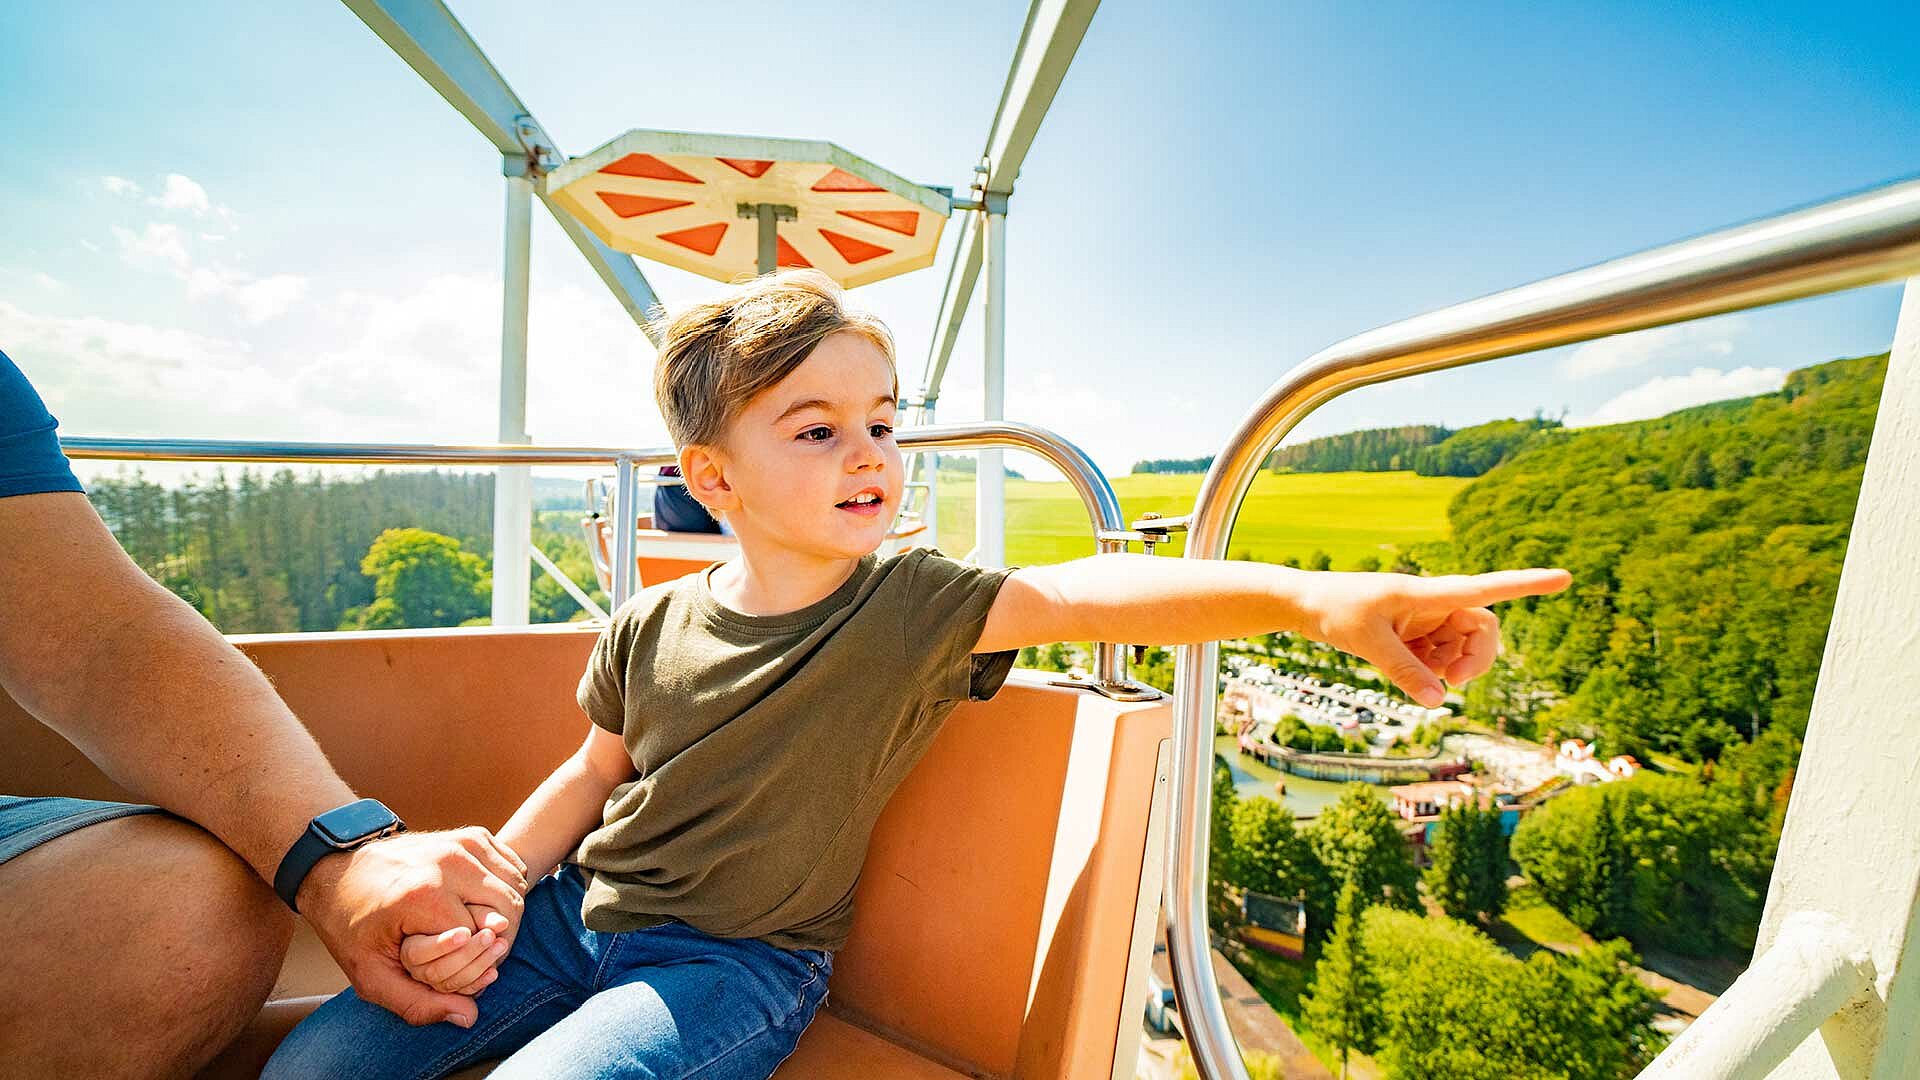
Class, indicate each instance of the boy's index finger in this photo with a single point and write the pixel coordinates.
(1479, 590)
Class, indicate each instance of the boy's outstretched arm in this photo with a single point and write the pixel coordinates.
(1415, 630)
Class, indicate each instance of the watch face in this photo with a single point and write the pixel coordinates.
(355, 821)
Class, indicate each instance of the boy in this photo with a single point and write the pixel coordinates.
(750, 721)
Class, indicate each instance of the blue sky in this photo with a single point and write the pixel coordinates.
(1216, 195)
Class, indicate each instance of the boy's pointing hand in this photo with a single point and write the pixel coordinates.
(1418, 631)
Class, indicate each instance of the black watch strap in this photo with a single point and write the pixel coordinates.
(341, 829)
(298, 863)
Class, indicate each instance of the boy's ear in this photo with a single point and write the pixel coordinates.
(705, 470)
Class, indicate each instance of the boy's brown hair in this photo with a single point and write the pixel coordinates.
(715, 357)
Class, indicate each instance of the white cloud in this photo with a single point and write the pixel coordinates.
(1665, 394)
(430, 360)
(1691, 340)
(119, 185)
(159, 242)
(255, 300)
(183, 193)
(269, 297)
(48, 281)
(1062, 404)
(130, 378)
(89, 245)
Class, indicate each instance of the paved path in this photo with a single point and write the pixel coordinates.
(1258, 1027)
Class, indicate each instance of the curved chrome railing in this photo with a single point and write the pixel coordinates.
(1862, 240)
(1103, 507)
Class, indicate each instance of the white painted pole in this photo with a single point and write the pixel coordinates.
(990, 509)
(1851, 847)
(513, 484)
(930, 472)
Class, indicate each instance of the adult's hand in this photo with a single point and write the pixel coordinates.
(362, 903)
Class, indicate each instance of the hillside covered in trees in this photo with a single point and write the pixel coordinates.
(1373, 450)
(1427, 449)
(1705, 547)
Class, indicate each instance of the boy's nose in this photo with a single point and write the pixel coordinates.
(868, 455)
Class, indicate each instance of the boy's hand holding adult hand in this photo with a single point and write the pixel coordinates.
(365, 902)
(1420, 632)
(459, 960)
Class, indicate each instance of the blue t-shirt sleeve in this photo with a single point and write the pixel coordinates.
(30, 457)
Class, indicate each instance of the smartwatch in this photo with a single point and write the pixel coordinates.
(340, 829)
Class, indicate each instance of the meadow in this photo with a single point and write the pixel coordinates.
(1347, 515)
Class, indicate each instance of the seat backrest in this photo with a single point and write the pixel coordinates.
(997, 907)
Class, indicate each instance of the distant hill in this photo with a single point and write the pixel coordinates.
(1472, 451)
(1705, 547)
(968, 464)
(1172, 465)
(559, 493)
(1427, 449)
(1373, 450)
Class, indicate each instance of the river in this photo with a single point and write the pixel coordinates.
(1306, 798)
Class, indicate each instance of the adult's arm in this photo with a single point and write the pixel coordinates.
(166, 707)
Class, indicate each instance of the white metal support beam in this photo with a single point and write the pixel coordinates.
(513, 484)
(427, 36)
(990, 503)
(1052, 35)
(1851, 846)
(1047, 46)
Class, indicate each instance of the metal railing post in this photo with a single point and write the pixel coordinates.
(626, 513)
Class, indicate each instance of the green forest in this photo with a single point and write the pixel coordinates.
(266, 553)
(1426, 449)
(1705, 547)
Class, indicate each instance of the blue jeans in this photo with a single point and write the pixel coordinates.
(663, 1003)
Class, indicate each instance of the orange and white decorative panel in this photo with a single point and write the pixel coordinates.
(676, 198)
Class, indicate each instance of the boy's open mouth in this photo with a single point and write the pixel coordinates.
(866, 503)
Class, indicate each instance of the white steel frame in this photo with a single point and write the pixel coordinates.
(428, 37)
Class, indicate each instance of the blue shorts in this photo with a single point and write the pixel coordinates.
(27, 823)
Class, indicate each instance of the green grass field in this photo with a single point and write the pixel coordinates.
(1347, 515)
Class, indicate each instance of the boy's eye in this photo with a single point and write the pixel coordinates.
(881, 431)
(816, 434)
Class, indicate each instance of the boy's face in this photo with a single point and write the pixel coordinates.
(810, 464)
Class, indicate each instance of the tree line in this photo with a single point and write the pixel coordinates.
(1426, 449)
(275, 552)
(1173, 465)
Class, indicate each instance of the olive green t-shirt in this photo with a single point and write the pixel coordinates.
(767, 745)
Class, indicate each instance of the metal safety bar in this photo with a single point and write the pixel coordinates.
(1096, 494)
(1861, 240)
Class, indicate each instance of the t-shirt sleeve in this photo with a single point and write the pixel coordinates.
(603, 694)
(30, 457)
(946, 608)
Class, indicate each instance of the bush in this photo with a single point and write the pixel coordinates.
(1455, 1006)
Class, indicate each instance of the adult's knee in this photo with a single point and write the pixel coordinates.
(141, 946)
